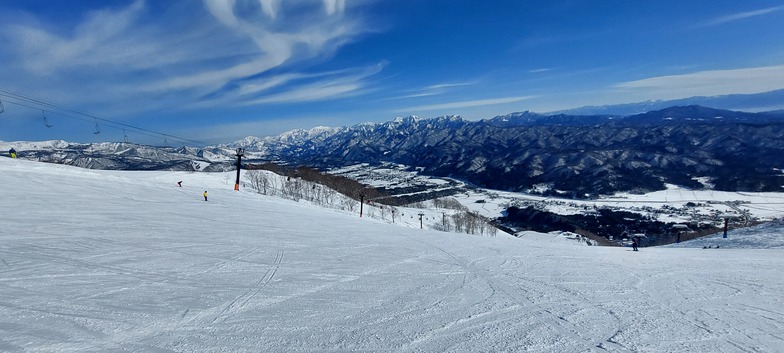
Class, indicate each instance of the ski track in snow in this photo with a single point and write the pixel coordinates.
(98, 261)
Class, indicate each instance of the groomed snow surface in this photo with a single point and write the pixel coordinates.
(99, 261)
(765, 236)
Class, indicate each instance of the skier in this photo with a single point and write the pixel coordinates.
(179, 183)
(205, 195)
(634, 244)
(12, 152)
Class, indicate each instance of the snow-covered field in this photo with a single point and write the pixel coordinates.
(102, 261)
(673, 205)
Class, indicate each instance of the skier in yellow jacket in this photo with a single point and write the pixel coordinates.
(12, 152)
(205, 195)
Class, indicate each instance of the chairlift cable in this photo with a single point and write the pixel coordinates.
(153, 134)
(95, 118)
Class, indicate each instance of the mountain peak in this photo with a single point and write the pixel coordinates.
(408, 119)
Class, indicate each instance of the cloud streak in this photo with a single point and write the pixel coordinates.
(276, 43)
(317, 87)
(48, 52)
(188, 51)
(469, 104)
(708, 83)
(434, 90)
(740, 16)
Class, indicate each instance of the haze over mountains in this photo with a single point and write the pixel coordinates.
(757, 102)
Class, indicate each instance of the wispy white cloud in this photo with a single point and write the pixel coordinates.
(544, 69)
(266, 84)
(276, 41)
(47, 52)
(740, 16)
(447, 85)
(270, 7)
(223, 10)
(434, 90)
(186, 52)
(468, 104)
(318, 87)
(312, 92)
(708, 83)
(334, 6)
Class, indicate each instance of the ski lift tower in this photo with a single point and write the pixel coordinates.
(240, 153)
(361, 203)
(727, 217)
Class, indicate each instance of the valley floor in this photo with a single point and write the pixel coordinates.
(97, 261)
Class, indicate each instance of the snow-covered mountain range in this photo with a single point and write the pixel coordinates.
(574, 155)
(766, 101)
(692, 146)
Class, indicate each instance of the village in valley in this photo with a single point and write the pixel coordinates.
(691, 213)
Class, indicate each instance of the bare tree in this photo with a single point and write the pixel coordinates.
(259, 181)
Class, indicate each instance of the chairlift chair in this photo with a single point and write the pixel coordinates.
(46, 121)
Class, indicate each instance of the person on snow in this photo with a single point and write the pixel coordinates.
(205, 195)
(12, 152)
(634, 244)
(179, 183)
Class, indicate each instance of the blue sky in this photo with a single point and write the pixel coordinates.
(219, 70)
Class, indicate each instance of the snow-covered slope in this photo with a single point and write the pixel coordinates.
(109, 261)
(122, 156)
(765, 236)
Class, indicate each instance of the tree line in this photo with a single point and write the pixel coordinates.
(338, 192)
